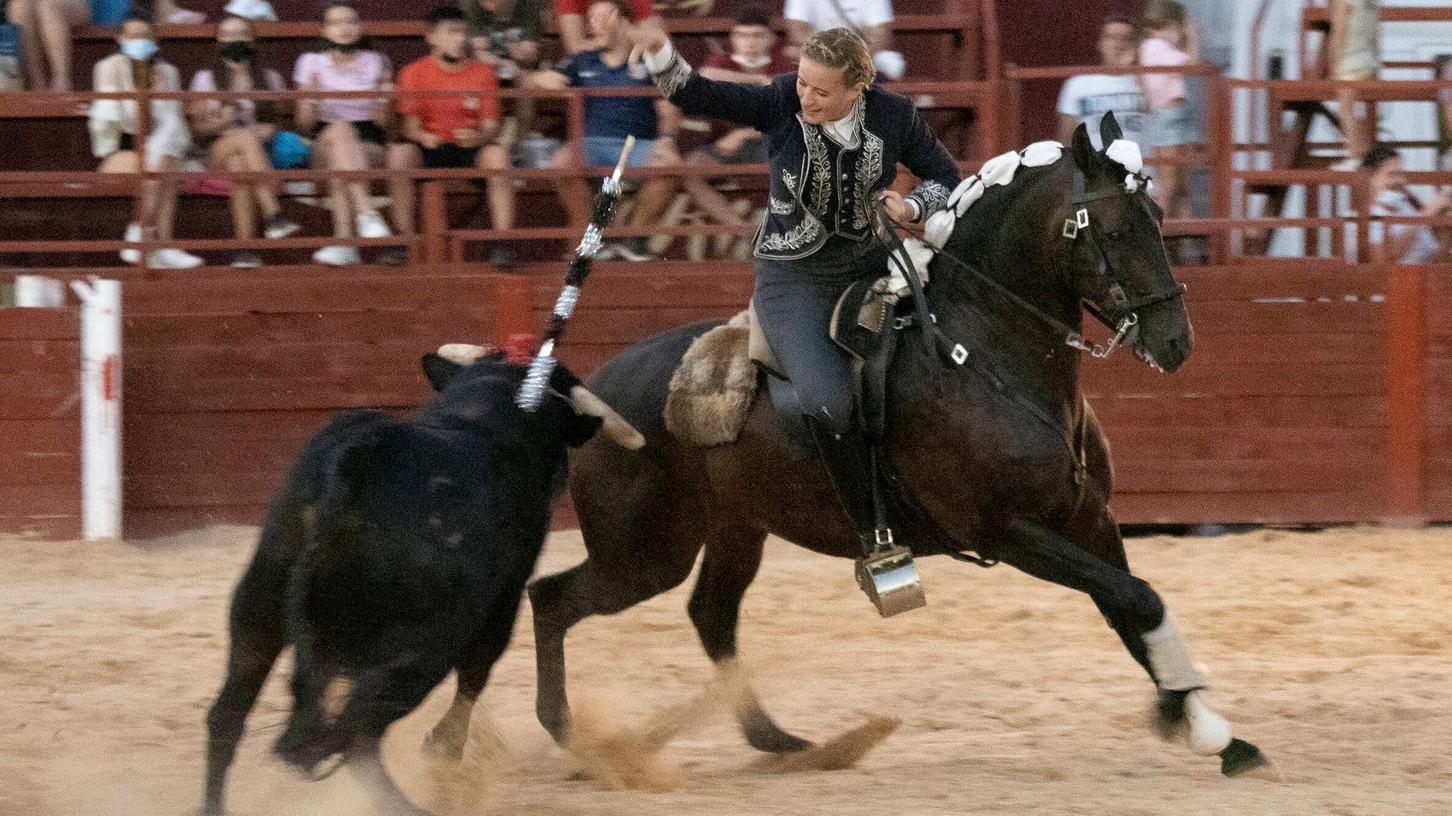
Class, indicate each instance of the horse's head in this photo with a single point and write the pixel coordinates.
(1118, 263)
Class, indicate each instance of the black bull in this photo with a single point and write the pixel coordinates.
(396, 552)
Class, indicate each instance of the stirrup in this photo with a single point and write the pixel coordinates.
(889, 577)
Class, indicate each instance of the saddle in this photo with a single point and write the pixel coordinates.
(713, 387)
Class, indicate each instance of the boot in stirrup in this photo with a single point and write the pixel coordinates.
(885, 569)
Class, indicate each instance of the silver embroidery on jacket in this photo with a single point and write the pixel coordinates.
(869, 170)
(821, 187)
(933, 195)
(808, 231)
(671, 80)
(780, 207)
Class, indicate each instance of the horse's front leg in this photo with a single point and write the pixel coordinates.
(1136, 612)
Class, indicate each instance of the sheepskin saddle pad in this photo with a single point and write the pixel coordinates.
(712, 389)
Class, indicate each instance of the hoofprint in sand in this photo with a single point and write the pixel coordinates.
(1332, 650)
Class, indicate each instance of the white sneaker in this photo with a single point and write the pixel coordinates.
(372, 225)
(336, 256)
(170, 258)
(133, 233)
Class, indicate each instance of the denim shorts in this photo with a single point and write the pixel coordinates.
(1173, 126)
(604, 151)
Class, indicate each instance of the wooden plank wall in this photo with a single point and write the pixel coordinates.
(40, 422)
(1279, 416)
(226, 377)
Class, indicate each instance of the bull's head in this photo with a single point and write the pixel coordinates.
(478, 373)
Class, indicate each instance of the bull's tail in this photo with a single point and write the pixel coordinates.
(309, 739)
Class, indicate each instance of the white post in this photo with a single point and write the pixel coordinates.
(100, 407)
(39, 292)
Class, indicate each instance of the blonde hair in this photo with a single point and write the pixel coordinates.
(843, 49)
(1160, 13)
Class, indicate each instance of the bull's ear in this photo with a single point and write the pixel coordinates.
(1109, 129)
(438, 370)
(1083, 151)
(582, 428)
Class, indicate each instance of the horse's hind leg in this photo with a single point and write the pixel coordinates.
(732, 558)
(1138, 615)
(655, 558)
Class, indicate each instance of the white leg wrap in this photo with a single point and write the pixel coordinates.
(1169, 659)
(1209, 732)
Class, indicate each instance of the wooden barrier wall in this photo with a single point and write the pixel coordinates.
(1314, 393)
(40, 422)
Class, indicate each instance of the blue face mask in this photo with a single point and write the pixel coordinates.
(139, 50)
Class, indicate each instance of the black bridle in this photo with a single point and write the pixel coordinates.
(1121, 316)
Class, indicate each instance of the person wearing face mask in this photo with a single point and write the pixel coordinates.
(114, 126)
(452, 131)
(237, 134)
(833, 143)
(347, 132)
(753, 59)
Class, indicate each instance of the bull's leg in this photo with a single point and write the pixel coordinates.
(257, 636)
(248, 664)
(727, 569)
(593, 588)
(1138, 615)
(452, 731)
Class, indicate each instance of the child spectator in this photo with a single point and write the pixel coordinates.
(1400, 242)
(609, 119)
(114, 126)
(1170, 40)
(453, 131)
(1087, 97)
(348, 132)
(238, 134)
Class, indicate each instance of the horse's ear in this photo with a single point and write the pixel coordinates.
(1083, 150)
(1109, 129)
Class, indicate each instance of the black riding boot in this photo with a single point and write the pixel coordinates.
(885, 569)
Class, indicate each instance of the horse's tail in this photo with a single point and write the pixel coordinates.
(308, 739)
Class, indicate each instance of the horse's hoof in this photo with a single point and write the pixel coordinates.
(777, 742)
(1169, 717)
(1240, 758)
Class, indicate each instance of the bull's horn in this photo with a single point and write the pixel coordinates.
(616, 429)
(462, 353)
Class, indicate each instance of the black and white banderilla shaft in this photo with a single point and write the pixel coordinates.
(543, 364)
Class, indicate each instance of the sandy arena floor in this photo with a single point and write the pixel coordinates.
(1332, 651)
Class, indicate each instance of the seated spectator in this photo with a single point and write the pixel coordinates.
(1170, 40)
(609, 119)
(238, 134)
(46, 30)
(754, 59)
(452, 131)
(504, 31)
(871, 19)
(114, 125)
(1087, 97)
(1400, 242)
(570, 16)
(1354, 54)
(348, 132)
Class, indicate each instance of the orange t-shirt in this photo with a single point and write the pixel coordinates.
(442, 115)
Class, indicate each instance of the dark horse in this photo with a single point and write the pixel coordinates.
(1000, 454)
